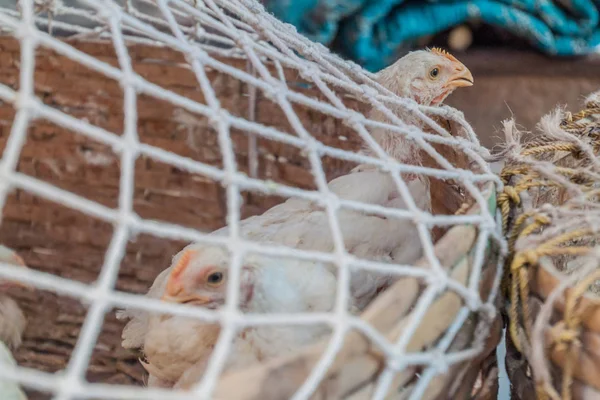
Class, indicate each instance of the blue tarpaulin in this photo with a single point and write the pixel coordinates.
(372, 32)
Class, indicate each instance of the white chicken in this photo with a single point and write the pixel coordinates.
(425, 76)
(174, 345)
(12, 325)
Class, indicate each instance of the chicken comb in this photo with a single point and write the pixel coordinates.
(182, 264)
(173, 284)
(443, 53)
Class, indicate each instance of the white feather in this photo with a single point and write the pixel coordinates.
(12, 325)
(9, 390)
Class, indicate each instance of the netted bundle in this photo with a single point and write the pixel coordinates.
(149, 123)
(551, 213)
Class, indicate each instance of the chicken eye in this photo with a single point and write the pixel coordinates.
(434, 72)
(215, 278)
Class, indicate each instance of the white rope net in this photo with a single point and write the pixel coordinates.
(206, 32)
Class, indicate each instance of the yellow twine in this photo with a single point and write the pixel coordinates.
(569, 337)
(516, 279)
(550, 147)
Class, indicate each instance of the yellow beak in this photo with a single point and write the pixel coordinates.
(462, 77)
(183, 298)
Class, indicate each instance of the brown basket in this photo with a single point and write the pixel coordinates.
(552, 339)
(57, 240)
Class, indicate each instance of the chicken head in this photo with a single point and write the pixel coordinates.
(200, 276)
(426, 76)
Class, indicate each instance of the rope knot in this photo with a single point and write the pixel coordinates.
(368, 90)
(531, 256)
(568, 336)
(355, 119)
(512, 194)
(527, 257)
